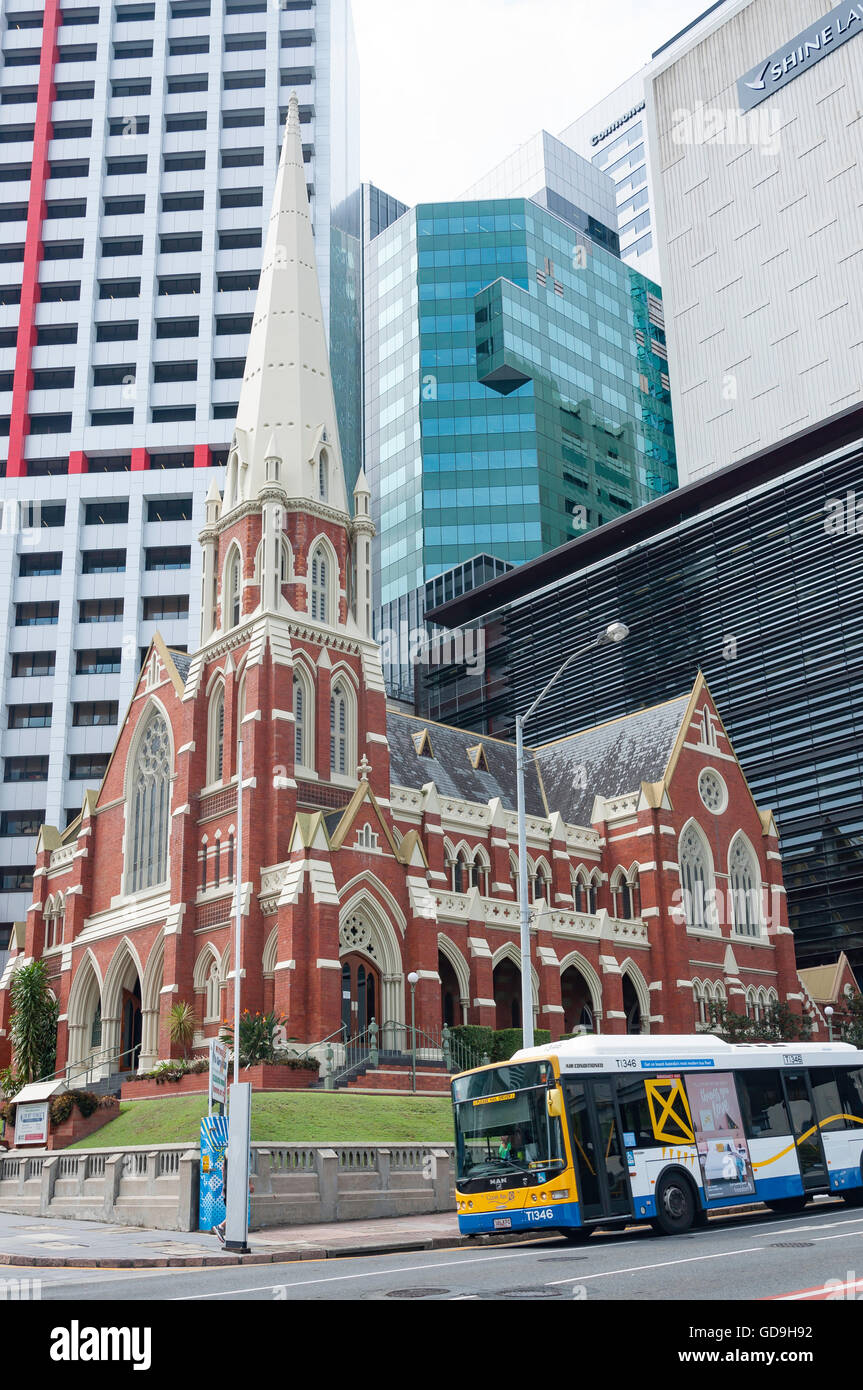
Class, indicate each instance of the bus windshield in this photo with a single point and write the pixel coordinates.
(503, 1128)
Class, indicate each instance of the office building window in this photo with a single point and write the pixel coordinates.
(89, 714)
(30, 716)
(98, 661)
(29, 566)
(36, 614)
(25, 769)
(103, 562)
(87, 767)
(100, 610)
(162, 607)
(168, 557)
(106, 513)
(33, 663)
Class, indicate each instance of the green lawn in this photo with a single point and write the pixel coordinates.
(283, 1117)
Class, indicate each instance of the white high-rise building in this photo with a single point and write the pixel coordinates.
(139, 150)
(755, 127)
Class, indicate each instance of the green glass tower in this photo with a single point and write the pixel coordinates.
(516, 385)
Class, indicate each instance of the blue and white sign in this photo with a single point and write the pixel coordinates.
(677, 1063)
(214, 1146)
(800, 54)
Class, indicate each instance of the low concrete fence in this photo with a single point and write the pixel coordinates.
(295, 1184)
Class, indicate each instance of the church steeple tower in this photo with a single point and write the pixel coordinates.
(286, 431)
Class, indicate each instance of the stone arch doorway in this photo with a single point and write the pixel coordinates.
(366, 930)
(85, 1014)
(577, 1000)
(361, 993)
(507, 994)
(131, 1025)
(450, 992)
(632, 1007)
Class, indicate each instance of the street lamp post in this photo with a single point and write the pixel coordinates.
(613, 634)
(828, 1014)
(413, 980)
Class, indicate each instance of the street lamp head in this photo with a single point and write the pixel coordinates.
(828, 1012)
(616, 632)
(413, 978)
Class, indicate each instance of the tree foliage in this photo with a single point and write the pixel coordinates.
(33, 1022)
(778, 1023)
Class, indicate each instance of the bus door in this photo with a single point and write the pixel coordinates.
(598, 1153)
(804, 1123)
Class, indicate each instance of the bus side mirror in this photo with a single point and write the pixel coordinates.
(554, 1104)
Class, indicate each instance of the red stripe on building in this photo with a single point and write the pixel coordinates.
(19, 425)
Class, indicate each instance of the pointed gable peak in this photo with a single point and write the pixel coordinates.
(286, 399)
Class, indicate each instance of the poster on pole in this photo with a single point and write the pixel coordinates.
(723, 1151)
(218, 1073)
(214, 1146)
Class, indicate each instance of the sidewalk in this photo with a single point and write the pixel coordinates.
(46, 1241)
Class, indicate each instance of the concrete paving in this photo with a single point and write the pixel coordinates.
(35, 1241)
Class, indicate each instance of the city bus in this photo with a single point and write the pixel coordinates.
(608, 1131)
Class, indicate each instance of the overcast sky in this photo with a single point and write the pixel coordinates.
(450, 87)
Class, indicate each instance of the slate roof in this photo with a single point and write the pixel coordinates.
(609, 760)
(183, 662)
(450, 767)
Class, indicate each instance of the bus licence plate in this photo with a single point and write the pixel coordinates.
(503, 1223)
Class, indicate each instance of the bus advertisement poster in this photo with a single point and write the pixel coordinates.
(723, 1152)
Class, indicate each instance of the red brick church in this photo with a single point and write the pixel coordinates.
(375, 844)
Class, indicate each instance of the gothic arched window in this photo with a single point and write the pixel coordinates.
(341, 729)
(322, 475)
(233, 589)
(695, 877)
(745, 884)
(216, 736)
(213, 992)
(149, 808)
(303, 708)
(320, 581)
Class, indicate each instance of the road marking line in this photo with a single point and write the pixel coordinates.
(836, 1287)
(822, 1226)
(339, 1278)
(663, 1264)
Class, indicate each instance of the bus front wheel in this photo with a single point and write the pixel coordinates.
(576, 1235)
(675, 1205)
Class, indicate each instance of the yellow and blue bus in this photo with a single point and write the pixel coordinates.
(609, 1131)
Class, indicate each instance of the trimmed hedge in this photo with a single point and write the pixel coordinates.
(470, 1035)
(498, 1044)
(509, 1040)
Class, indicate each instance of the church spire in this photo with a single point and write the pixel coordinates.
(286, 431)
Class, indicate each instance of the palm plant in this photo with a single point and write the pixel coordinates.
(33, 1025)
(181, 1025)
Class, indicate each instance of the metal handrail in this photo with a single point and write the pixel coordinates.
(86, 1068)
(384, 1037)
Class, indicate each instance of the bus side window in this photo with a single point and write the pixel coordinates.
(851, 1093)
(828, 1105)
(635, 1112)
(762, 1104)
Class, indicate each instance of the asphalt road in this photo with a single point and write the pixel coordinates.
(738, 1258)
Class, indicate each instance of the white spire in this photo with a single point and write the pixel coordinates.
(286, 408)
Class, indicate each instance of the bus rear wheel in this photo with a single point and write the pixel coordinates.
(675, 1205)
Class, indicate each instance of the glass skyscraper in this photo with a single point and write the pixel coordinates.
(515, 384)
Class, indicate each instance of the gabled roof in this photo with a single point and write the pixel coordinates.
(610, 759)
(450, 766)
